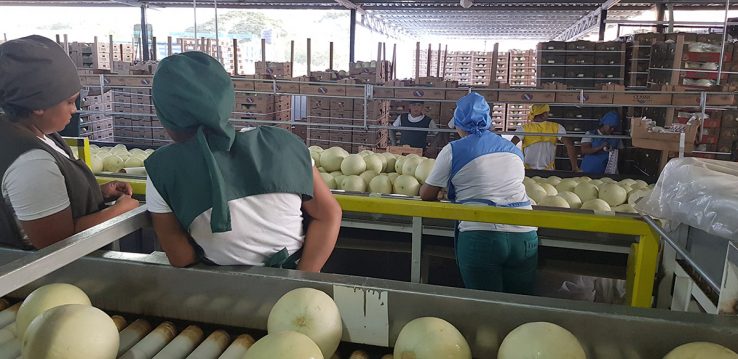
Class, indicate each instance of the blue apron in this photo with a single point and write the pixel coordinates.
(471, 147)
(597, 162)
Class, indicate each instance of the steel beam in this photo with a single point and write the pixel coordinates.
(595, 19)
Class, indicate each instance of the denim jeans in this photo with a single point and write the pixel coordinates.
(498, 261)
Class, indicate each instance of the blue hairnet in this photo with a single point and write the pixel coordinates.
(472, 114)
(611, 119)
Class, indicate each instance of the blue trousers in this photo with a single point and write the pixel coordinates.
(498, 261)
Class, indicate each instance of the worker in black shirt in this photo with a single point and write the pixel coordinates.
(415, 118)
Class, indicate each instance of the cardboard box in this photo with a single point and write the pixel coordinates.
(429, 93)
(277, 87)
(243, 84)
(525, 96)
(319, 103)
(693, 99)
(640, 97)
(590, 97)
(341, 114)
(660, 141)
(730, 119)
(340, 104)
(455, 94)
(355, 90)
(323, 89)
(384, 92)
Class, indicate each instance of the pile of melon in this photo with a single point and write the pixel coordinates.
(599, 195)
(367, 171)
(58, 321)
(114, 159)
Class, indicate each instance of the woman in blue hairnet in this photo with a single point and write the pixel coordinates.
(598, 152)
(485, 169)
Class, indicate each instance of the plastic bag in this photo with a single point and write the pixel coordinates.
(582, 289)
(701, 193)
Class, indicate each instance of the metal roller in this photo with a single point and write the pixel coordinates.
(212, 347)
(238, 348)
(132, 334)
(183, 344)
(151, 344)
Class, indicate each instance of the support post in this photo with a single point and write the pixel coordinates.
(153, 48)
(330, 56)
(112, 51)
(235, 57)
(309, 56)
(66, 43)
(416, 249)
(445, 55)
(263, 50)
(144, 35)
(438, 61)
(292, 58)
(417, 60)
(394, 61)
(169, 46)
(428, 63)
(603, 24)
(352, 36)
(660, 13)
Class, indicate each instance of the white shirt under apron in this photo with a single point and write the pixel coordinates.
(497, 177)
(261, 225)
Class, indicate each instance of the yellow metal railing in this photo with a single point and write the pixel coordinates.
(642, 261)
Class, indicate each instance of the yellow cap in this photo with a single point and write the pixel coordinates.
(538, 109)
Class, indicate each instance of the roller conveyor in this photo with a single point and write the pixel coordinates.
(373, 310)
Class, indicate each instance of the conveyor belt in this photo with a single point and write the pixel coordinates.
(241, 297)
(157, 338)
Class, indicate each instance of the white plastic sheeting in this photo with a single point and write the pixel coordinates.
(701, 193)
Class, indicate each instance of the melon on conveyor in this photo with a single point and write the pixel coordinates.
(540, 340)
(284, 344)
(701, 350)
(310, 312)
(430, 338)
(45, 298)
(71, 331)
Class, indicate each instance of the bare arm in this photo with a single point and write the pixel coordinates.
(48, 230)
(429, 193)
(322, 232)
(572, 152)
(173, 239)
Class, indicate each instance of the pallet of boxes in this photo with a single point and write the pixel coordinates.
(96, 121)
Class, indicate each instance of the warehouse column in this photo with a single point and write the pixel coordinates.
(660, 12)
(144, 34)
(603, 24)
(352, 36)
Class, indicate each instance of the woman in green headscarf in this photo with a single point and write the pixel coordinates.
(231, 198)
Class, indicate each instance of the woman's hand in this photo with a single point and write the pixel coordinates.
(126, 203)
(113, 190)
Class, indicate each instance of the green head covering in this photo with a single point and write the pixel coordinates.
(36, 73)
(192, 92)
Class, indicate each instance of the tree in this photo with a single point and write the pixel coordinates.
(242, 22)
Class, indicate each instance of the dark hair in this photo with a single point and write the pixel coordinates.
(14, 113)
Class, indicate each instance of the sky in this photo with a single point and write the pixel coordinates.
(82, 24)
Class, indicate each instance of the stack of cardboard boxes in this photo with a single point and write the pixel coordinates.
(94, 55)
(97, 124)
